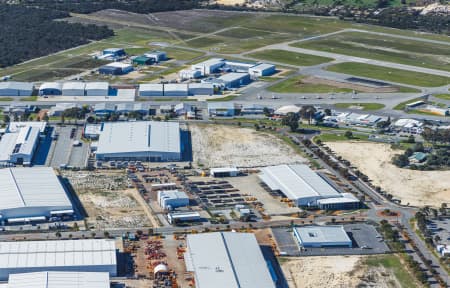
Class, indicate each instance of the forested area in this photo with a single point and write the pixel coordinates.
(28, 33)
(137, 6)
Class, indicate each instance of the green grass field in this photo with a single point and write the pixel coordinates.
(392, 263)
(243, 33)
(287, 57)
(442, 96)
(392, 49)
(226, 98)
(389, 74)
(364, 106)
(295, 85)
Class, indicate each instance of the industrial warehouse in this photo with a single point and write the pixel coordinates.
(86, 255)
(227, 260)
(19, 143)
(74, 89)
(32, 194)
(306, 188)
(11, 88)
(146, 141)
(58, 279)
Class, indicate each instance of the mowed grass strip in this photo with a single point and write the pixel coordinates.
(392, 49)
(390, 74)
(363, 106)
(288, 57)
(442, 96)
(296, 85)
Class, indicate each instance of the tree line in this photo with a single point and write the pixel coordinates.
(28, 33)
(137, 6)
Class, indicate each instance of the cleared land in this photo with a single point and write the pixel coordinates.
(418, 188)
(106, 200)
(385, 48)
(291, 58)
(346, 271)
(361, 106)
(390, 74)
(217, 146)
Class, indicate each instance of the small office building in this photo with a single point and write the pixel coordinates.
(322, 236)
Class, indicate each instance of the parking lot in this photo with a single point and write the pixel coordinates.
(362, 235)
(63, 152)
(440, 227)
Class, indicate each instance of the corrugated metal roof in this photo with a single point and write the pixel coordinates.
(16, 126)
(297, 181)
(262, 67)
(16, 85)
(97, 86)
(56, 279)
(232, 76)
(73, 86)
(175, 87)
(228, 260)
(139, 137)
(201, 85)
(31, 187)
(51, 85)
(221, 105)
(151, 87)
(59, 253)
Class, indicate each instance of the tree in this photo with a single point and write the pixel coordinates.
(307, 112)
(266, 112)
(291, 120)
(58, 234)
(348, 134)
(106, 234)
(6, 118)
(45, 118)
(327, 112)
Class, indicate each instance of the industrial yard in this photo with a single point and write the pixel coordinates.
(216, 146)
(417, 188)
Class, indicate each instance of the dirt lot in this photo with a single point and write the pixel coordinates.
(414, 187)
(335, 271)
(218, 146)
(356, 87)
(106, 199)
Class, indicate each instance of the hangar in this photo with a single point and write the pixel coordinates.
(97, 89)
(115, 68)
(50, 88)
(32, 194)
(234, 80)
(201, 89)
(73, 88)
(147, 90)
(144, 140)
(12, 88)
(58, 279)
(262, 69)
(305, 187)
(322, 236)
(84, 255)
(227, 260)
(210, 66)
(177, 90)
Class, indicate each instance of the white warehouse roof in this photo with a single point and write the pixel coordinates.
(227, 260)
(31, 187)
(73, 86)
(51, 85)
(57, 255)
(139, 137)
(16, 126)
(318, 236)
(16, 85)
(261, 67)
(97, 86)
(297, 182)
(151, 87)
(176, 87)
(57, 279)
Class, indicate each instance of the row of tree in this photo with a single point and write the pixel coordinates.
(27, 33)
(137, 6)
